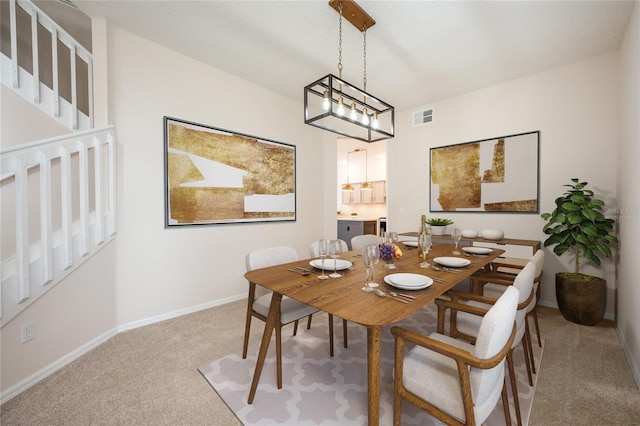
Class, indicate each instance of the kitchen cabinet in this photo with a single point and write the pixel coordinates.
(349, 228)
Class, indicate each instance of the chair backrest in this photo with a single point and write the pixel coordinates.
(269, 256)
(493, 335)
(538, 260)
(314, 250)
(360, 241)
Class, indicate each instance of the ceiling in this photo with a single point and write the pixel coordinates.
(417, 53)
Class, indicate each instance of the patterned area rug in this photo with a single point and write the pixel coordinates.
(320, 390)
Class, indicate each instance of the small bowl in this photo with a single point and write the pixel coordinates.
(469, 233)
(492, 234)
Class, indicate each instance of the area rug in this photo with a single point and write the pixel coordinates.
(331, 391)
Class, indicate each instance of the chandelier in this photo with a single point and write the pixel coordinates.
(333, 104)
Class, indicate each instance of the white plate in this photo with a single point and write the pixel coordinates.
(408, 281)
(453, 262)
(328, 264)
(477, 250)
(410, 243)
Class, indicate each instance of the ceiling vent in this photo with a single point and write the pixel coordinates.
(422, 117)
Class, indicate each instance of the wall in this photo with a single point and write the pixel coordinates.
(629, 200)
(575, 108)
(164, 271)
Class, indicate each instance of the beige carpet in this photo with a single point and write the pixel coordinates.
(149, 376)
(332, 391)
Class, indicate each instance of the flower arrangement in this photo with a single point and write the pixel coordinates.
(389, 251)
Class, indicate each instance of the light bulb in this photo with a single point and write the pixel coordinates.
(375, 122)
(325, 101)
(365, 117)
(354, 113)
(340, 107)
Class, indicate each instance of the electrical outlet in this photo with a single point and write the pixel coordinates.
(27, 332)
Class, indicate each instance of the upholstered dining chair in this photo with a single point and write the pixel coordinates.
(455, 381)
(465, 322)
(361, 241)
(259, 300)
(493, 284)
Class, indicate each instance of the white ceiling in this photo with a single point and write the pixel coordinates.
(417, 53)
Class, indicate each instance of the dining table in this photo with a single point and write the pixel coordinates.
(343, 297)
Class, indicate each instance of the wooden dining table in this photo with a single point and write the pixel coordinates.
(343, 297)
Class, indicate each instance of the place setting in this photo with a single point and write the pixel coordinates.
(332, 249)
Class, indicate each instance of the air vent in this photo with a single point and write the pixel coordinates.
(422, 117)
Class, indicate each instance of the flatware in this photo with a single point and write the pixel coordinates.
(394, 294)
(381, 293)
(442, 268)
(300, 271)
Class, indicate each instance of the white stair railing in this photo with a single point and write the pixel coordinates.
(58, 209)
(30, 86)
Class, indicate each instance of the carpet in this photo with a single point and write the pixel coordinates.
(321, 390)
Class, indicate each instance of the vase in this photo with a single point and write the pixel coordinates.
(390, 263)
(581, 302)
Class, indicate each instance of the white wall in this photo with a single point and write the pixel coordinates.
(629, 199)
(165, 270)
(576, 110)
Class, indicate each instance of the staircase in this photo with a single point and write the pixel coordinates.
(59, 194)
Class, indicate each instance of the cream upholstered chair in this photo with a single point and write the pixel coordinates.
(452, 380)
(493, 284)
(360, 241)
(465, 322)
(259, 300)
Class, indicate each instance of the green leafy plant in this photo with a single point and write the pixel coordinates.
(577, 224)
(437, 221)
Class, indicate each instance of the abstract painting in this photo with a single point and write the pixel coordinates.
(215, 176)
(490, 175)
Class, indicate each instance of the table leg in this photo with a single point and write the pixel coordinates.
(274, 311)
(374, 339)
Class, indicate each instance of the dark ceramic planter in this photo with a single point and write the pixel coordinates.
(582, 302)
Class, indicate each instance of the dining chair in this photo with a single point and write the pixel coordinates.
(465, 322)
(361, 241)
(492, 284)
(314, 251)
(455, 381)
(259, 299)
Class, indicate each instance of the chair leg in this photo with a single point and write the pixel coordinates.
(534, 313)
(527, 361)
(330, 335)
(527, 335)
(247, 329)
(505, 403)
(344, 332)
(279, 354)
(309, 321)
(295, 327)
(514, 389)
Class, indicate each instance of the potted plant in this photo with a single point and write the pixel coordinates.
(577, 225)
(438, 225)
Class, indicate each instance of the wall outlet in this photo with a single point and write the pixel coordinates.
(27, 332)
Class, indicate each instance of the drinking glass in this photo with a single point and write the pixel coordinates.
(367, 259)
(374, 251)
(456, 235)
(424, 241)
(335, 248)
(323, 251)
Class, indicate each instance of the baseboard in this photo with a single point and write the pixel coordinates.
(179, 313)
(55, 366)
(634, 367)
(77, 353)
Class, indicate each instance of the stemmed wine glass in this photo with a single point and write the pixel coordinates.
(323, 251)
(424, 241)
(370, 256)
(456, 235)
(335, 248)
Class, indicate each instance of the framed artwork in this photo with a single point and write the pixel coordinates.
(214, 176)
(490, 175)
